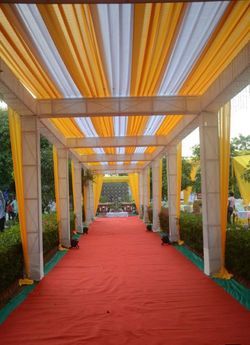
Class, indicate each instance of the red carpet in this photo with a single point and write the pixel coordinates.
(122, 287)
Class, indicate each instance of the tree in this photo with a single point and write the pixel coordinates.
(164, 179)
(246, 173)
(47, 173)
(240, 145)
(185, 176)
(6, 164)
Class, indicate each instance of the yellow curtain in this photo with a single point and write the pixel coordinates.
(97, 189)
(188, 190)
(134, 186)
(178, 181)
(85, 199)
(115, 179)
(16, 148)
(56, 182)
(239, 164)
(160, 184)
(224, 144)
(178, 190)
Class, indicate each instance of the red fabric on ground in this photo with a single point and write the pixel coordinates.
(122, 287)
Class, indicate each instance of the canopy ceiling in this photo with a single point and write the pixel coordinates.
(68, 51)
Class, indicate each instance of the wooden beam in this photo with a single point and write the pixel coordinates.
(229, 83)
(147, 140)
(116, 157)
(115, 106)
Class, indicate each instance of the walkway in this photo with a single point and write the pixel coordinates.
(122, 287)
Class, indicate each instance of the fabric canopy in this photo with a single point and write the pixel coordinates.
(239, 164)
(75, 50)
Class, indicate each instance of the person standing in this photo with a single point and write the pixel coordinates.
(2, 211)
(15, 208)
(230, 207)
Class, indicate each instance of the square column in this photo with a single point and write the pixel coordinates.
(91, 200)
(145, 194)
(140, 194)
(156, 194)
(78, 196)
(63, 189)
(210, 187)
(90, 203)
(31, 166)
(172, 192)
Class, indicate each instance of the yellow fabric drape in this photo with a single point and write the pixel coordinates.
(239, 164)
(155, 28)
(56, 182)
(160, 184)
(16, 148)
(115, 179)
(178, 180)
(134, 186)
(97, 189)
(74, 33)
(188, 190)
(224, 143)
(178, 189)
(73, 184)
(225, 43)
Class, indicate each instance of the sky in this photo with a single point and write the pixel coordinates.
(240, 121)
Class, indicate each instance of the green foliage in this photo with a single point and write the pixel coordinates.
(11, 255)
(6, 164)
(240, 145)
(50, 232)
(246, 173)
(164, 219)
(72, 221)
(164, 179)
(196, 188)
(237, 256)
(191, 232)
(88, 176)
(47, 173)
(186, 171)
(238, 253)
(150, 214)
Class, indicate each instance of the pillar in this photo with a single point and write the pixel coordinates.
(78, 196)
(63, 190)
(172, 193)
(156, 194)
(210, 186)
(145, 194)
(140, 194)
(90, 203)
(31, 167)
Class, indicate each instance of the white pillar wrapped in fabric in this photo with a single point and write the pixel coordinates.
(63, 190)
(156, 194)
(91, 198)
(172, 192)
(77, 189)
(31, 167)
(140, 194)
(90, 203)
(210, 187)
(145, 194)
